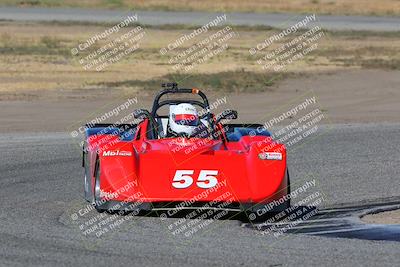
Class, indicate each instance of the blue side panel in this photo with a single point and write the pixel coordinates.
(238, 132)
(101, 130)
(126, 135)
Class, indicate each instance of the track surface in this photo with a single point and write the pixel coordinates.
(343, 221)
(369, 23)
(41, 187)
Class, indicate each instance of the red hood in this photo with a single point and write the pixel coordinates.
(184, 146)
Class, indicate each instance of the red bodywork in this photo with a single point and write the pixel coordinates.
(144, 170)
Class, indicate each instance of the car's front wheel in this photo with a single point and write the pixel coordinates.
(87, 189)
(97, 191)
(287, 188)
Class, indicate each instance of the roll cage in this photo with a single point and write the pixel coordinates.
(172, 88)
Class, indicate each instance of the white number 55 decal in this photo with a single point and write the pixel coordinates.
(206, 179)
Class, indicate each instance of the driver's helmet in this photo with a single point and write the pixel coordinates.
(183, 119)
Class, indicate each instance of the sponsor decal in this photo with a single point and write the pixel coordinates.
(117, 153)
(270, 156)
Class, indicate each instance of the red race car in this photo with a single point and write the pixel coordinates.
(181, 156)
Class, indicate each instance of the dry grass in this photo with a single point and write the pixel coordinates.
(37, 57)
(341, 7)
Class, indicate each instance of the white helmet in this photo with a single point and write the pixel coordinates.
(183, 119)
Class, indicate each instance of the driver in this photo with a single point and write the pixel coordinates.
(184, 120)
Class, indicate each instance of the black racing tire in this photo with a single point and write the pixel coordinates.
(270, 214)
(97, 199)
(288, 203)
(87, 189)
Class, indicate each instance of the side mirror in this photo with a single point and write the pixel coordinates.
(141, 114)
(228, 114)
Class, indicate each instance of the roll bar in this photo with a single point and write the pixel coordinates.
(172, 88)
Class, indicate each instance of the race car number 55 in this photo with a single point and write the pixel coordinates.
(206, 179)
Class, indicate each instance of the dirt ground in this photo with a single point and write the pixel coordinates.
(342, 7)
(354, 96)
(388, 217)
(37, 56)
(353, 75)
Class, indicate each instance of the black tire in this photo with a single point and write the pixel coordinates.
(288, 188)
(88, 193)
(97, 199)
(276, 210)
(86, 188)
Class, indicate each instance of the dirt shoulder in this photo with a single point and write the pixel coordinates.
(356, 96)
(37, 57)
(340, 7)
(354, 77)
(387, 217)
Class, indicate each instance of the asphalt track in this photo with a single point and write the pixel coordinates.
(41, 192)
(343, 221)
(368, 23)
